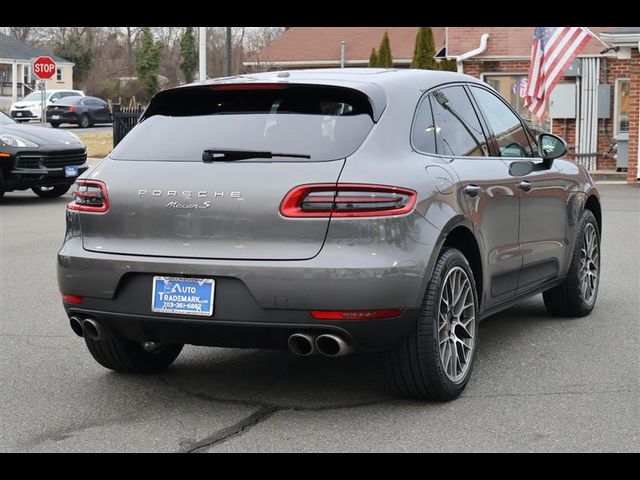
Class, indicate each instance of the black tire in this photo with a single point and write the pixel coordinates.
(567, 299)
(54, 124)
(1, 184)
(127, 356)
(51, 192)
(85, 121)
(414, 367)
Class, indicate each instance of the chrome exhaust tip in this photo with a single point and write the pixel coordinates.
(331, 345)
(302, 344)
(76, 326)
(92, 329)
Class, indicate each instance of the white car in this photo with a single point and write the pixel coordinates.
(30, 107)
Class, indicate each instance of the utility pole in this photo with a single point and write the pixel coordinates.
(229, 51)
(202, 53)
(343, 44)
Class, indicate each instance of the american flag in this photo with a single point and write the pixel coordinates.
(553, 51)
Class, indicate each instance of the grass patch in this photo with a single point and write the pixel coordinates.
(99, 144)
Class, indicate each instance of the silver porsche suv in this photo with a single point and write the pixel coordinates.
(327, 212)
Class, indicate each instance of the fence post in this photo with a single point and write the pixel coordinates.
(116, 112)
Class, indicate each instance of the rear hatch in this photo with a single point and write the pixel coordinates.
(166, 201)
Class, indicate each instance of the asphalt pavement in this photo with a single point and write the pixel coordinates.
(539, 384)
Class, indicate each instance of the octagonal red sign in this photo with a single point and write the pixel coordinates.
(44, 68)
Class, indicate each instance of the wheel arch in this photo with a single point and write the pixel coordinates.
(593, 205)
(458, 233)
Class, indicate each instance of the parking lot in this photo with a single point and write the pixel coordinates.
(540, 383)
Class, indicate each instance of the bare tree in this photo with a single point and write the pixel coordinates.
(257, 40)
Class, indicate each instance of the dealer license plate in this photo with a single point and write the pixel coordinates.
(71, 171)
(183, 296)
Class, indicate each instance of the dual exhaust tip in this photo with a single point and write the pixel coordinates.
(301, 344)
(86, 327)
(327, 344)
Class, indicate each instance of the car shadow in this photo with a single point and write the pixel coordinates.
(277, 379)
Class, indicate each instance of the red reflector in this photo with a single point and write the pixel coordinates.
(347, 200)
(356, 314)
(89, 196)
(68, 298)
(248, 86)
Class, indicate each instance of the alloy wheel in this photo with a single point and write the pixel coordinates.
(456, 324)
(589, 264)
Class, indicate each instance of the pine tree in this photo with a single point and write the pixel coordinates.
(448, 65)
(424, 51)
(373, 59)
(189, 55)
(385, 59)
(148, 57)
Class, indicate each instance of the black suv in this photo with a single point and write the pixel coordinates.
(42, 159)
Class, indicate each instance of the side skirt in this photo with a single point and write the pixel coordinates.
(519, 297)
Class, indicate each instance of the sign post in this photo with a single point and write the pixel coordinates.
(44, 68)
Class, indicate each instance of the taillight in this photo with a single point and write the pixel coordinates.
(69, 109)
(90, 196)
(356, 314)
(347, 200)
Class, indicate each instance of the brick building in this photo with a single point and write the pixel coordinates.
(594, 107)
(598, 99)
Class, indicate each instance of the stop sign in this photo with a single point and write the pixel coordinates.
(44, 68)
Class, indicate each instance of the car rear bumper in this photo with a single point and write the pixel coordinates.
(274, 297)
(63, 117)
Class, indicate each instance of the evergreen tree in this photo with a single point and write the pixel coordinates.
(424, 51)
(74, 48)
(385, 59)
(449, 65)
(373, 58)
(189, 54)
(148, 57)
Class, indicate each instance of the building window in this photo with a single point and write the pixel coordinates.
(59, 74)
(621, 110)
(511, 86)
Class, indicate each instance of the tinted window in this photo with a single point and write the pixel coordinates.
(69, 94)
(423, 132)
(510, 134)
(73, 100)
(457, 128)
(325, 123)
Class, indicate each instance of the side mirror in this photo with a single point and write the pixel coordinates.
(54, 100)
(551, 147)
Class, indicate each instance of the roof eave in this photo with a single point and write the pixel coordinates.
(298, 63)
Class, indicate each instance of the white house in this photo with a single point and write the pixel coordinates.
(16, 78)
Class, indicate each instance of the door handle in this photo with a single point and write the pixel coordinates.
(472, 190)
(524, 185)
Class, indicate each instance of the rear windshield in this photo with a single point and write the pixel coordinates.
(325, 123)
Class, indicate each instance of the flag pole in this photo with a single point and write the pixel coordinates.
(597, 37)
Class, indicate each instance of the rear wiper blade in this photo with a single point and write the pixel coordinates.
(217, 155)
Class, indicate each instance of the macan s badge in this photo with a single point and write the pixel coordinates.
(188, 194)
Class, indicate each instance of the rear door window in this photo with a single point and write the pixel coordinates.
(326, 123)
(457, 128)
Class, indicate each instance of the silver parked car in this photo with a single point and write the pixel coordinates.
(325, 212)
